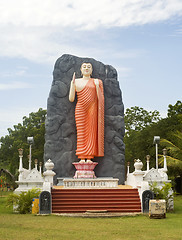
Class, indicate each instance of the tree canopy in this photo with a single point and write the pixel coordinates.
(34, 125)
(137, 118)
(141, 127)
(175, 109)
(139, 140)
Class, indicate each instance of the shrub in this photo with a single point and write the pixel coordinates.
(23, 202)
(164, 192)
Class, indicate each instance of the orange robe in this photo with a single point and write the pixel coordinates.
(89, 116)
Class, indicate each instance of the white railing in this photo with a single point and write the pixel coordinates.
(91, 183)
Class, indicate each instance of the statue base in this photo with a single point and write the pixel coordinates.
(85, 169)
(97, 183)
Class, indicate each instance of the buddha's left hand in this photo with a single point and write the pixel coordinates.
(97, 86)
(96, 82)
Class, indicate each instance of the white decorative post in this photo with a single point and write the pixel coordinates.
(138, 175)
(36, 163)
(128, 168)
(40, 168)
(48, 176)
(165, 161)
(148, 161)
(30, 157)
(138, 165)
(20, 164)
(30, 141)
(156, 142)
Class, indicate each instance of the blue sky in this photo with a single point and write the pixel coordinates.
(141, 39)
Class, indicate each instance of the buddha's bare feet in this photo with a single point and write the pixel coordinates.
(82, 161)
(89, 161)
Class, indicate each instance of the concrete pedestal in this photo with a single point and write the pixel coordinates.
(157, 208)
(91, 183)
(85, 169)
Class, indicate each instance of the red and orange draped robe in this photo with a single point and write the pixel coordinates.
(89, 116)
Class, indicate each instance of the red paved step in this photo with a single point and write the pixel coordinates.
(81, 200)
(111, 210)
(89, 191)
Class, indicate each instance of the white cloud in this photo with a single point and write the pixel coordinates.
(132, 53)
(123, 72)
(178, 32)
(10, 117)
(87, 14)
(14, 85)
(35, 44)
(42, 31)
(18, 73)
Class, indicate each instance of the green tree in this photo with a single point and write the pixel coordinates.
(34, 125)
(139, 133)
(175, 109)
(139, 141)
(137, 118)
(174, 158)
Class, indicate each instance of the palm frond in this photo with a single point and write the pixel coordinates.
(171, 161)
(178, 134)
(173, 149)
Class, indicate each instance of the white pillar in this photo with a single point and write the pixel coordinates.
(156, 142)
(40, 167)
(156, 156)
(48, 176)
(30, 157)
(148, 161)
(128, 168)
(20, 177)
(165, 161)
(20, 164)
(36, 163)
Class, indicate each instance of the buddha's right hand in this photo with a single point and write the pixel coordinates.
(73, 78)
(72, 89)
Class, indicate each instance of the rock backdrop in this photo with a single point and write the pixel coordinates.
(60, 138)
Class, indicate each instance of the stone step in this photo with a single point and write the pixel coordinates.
(64, 190)
(81, 200)
(86, 203)
(126, 210)
(78, 200)
(95, 196)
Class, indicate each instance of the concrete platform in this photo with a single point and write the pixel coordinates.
(97, 215)
(119, 186)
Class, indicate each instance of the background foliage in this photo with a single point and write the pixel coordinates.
(139, 138)
(34, 125)
(141, 127)
(23, 201)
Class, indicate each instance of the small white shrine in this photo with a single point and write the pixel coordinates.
(142, 179)
(33, 178)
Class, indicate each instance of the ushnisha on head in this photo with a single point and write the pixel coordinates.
(86, 69)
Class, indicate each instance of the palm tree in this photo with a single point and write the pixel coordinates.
(174, 158)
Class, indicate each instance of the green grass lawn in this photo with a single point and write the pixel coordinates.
(15, 226)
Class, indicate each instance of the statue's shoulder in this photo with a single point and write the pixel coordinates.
(97, 79)
(78, 79)
(100, 82)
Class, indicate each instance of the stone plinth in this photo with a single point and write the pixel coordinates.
(157, 208)
(85, 169)
(30, 179)
(24, 186)
(91, 183)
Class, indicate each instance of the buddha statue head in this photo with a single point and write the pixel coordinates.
(86, 69)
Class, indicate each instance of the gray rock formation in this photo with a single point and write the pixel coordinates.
(60, 138)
